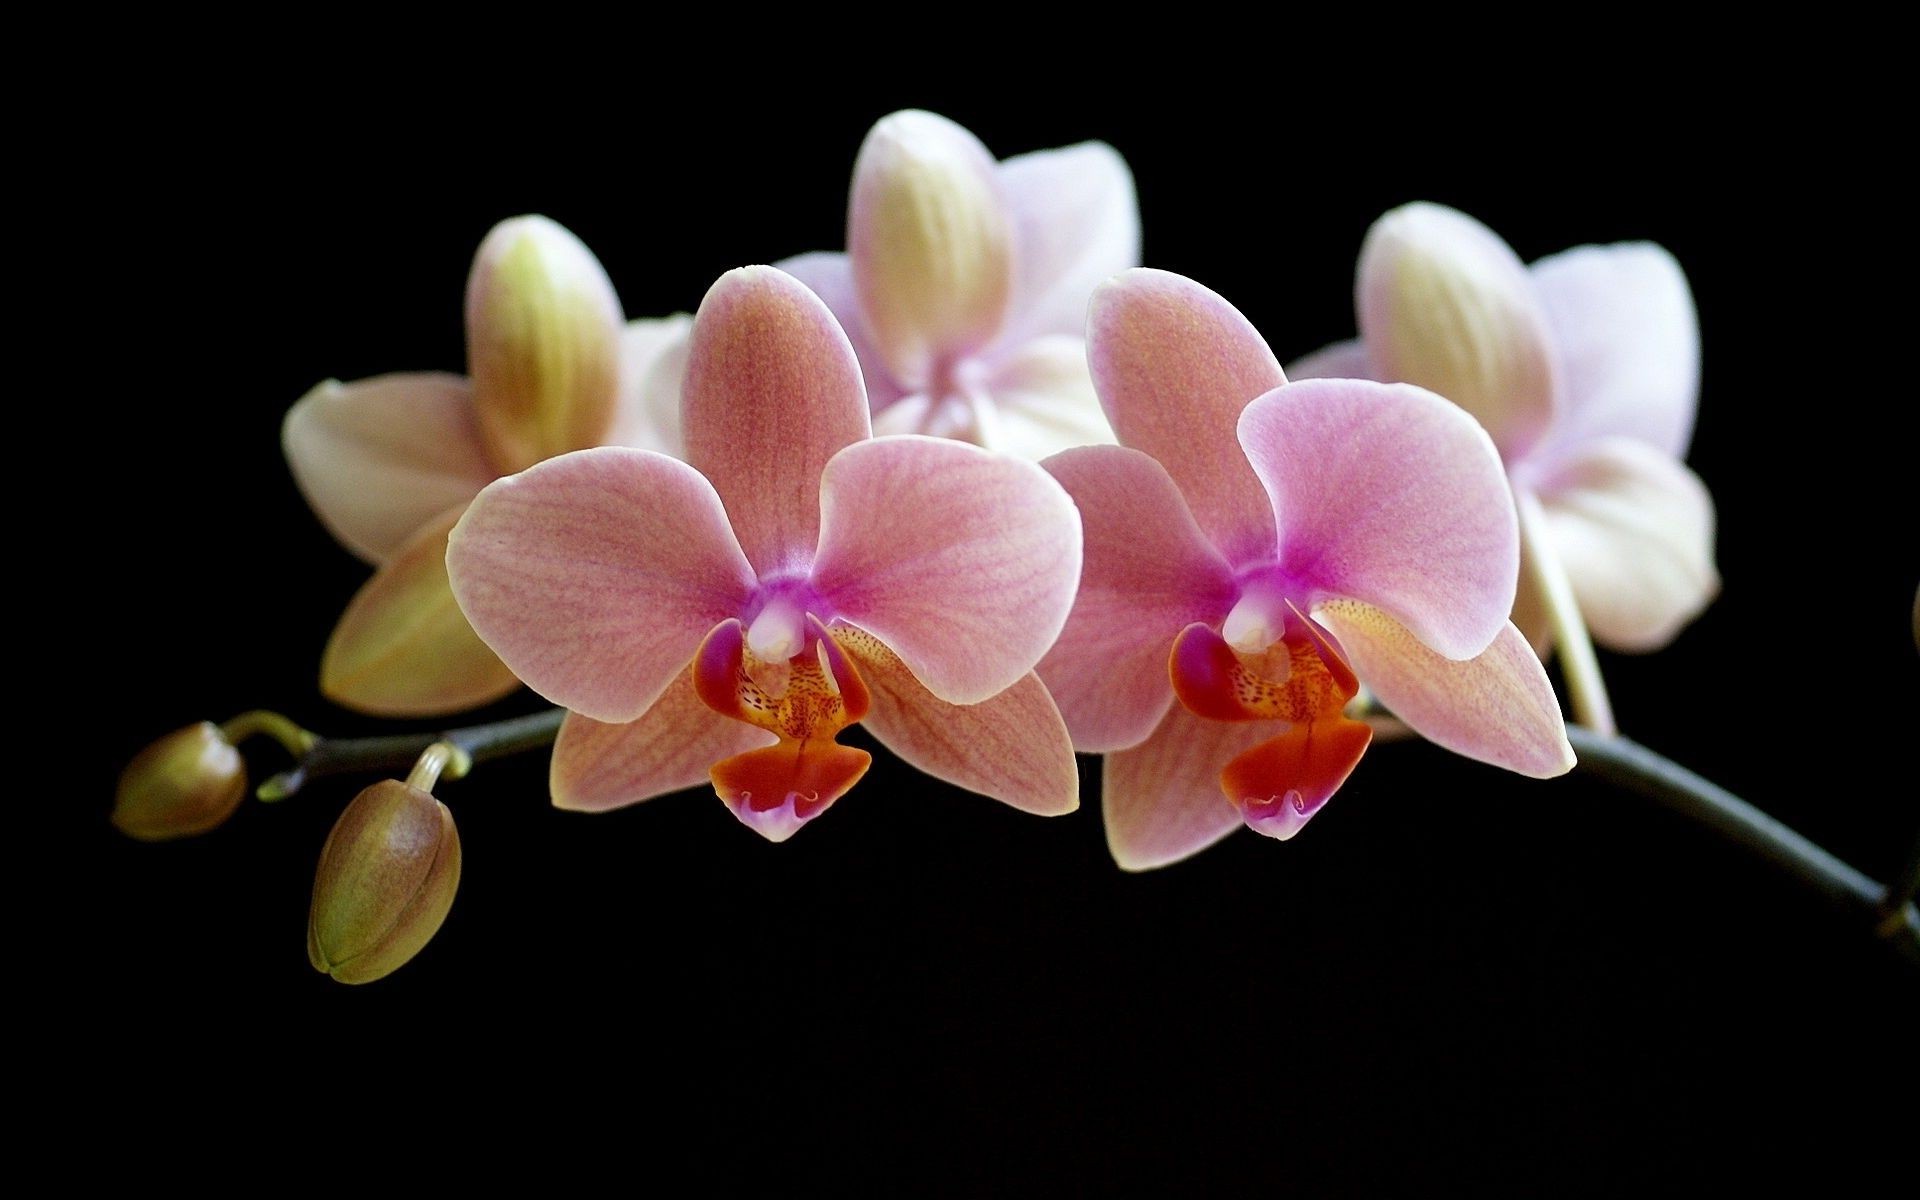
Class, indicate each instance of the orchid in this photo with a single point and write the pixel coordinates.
(726, 616)
(389, 463)
(1254, 550)
(1585, 370)
(965, 282)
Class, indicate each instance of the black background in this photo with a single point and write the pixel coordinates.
(1454, 978)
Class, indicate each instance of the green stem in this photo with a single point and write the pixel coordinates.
(281, 729)
(1586, 689)
(401, 752)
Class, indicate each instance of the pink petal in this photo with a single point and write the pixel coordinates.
(1634, 529)
(1342, 360)
(1162, 799)
(1175, 364)
(1012, 746)
(1497, 708)
(1148, 573)
(772, 391)
(1386, 493)
(671, 747)
(931, 243)
(595, 575)
(1629, 344)
(1043, 400)
(380, 457)
(962, 561)
(653, 361)
(1076, 222)
(830, 277)
(1444, 303)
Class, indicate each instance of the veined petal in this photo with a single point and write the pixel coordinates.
(671, 747)
(829, 276)
(1076, 222)
(1444, 303)
(1162, 799)
(1044, 402)
(963, 562)
(772, 391)
(1012, 746)
(543, 343)
(1387, 494)
(1629, 343)
(1175, 364)
(653, 362)
(1147, 574)
(1497, 708)
(402, 649)
(931, 242)
(596, 575)
(380, 457)
(1634, 530)
(1342, 360)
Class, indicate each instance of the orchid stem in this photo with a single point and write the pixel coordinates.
(281, 729)
(1633, 766)
(406, 751)
(1586, 689)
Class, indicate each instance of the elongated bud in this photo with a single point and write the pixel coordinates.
(930, 240)
(386, 880)
(543, 343)
(186, 783)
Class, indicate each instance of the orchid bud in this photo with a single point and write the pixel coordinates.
(543, 343)
(931, 242)
(186, 783)
(386, 880)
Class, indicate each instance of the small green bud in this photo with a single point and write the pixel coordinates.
(386, 880)
(186, 783)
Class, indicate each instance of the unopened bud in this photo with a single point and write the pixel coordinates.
(386, 880)
(186, 783)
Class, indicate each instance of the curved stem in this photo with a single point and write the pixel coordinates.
(1639, 769)
(1586, 688)
(399, 752)
(281, 729)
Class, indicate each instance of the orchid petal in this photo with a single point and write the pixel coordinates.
(1386, 493)
(1341, 360)
(380, 457)
(1175, 364)
(931, 242)
(963, 562)
(402, 649)
(1012, 746)
(1076, 222)
(1162, 799)
(671, 747)
(1148, 573)
(543, 343)
(1498, 707)
(1629, 343)
(1634, 530)
(772, 391)
(596, 575)
(1444, 303)
(1044, 402)
(653, 362)
(829, 276)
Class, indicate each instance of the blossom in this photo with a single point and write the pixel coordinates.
(965, 282)
(1585, 369)
(390, 463)
(1254, 549)
(725, 617)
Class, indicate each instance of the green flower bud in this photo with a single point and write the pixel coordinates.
(386, 880)
(186, 783)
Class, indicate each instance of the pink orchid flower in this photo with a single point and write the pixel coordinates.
(1254, 549)
(725, 617)
(1586, 371)
(965, 282)
(390, 463)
